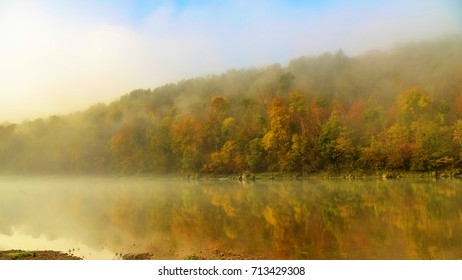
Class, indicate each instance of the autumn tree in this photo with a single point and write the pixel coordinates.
(187, 140)
(226, 161)
(277, 140)
(425, 121)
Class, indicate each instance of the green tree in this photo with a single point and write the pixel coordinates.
(217, 113)
(330, 131)
(255, 156)
(129, 146)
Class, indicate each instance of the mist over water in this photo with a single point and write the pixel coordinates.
(97, 217)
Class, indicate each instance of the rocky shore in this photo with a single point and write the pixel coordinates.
(215, 254)
(36, 255)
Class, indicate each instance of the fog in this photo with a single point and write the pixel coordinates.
(57, 57)
(173, 219)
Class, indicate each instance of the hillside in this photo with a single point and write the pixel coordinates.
(399, 109)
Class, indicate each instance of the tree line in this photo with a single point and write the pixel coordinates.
(396, 110)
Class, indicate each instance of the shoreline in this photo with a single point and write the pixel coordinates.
(268, 176)
(36, 255)
(214, 254)
(349, 175)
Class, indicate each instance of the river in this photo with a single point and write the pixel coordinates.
(104, 217)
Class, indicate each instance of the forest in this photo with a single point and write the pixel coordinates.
(398, 110)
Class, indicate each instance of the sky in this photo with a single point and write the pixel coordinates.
(57, 57)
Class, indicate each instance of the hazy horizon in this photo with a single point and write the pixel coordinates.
(59, 57)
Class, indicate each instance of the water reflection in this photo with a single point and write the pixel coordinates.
(313, 219)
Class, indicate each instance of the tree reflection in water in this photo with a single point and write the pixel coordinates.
(311, 219)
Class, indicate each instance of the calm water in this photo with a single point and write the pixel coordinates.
(97, 218)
